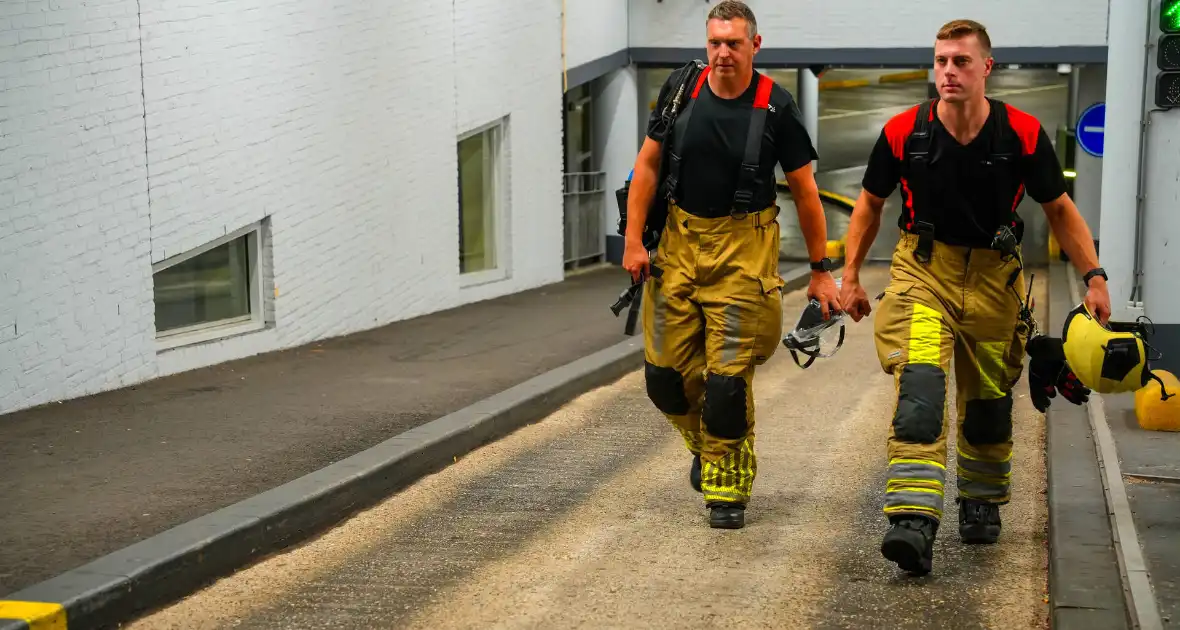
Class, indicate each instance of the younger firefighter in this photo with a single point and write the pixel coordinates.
(956, 290)
(714, 312)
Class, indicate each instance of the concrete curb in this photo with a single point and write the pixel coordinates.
(168, 566)
(1133, 570)
(1085, 585)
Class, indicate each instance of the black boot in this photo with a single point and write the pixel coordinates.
(910, 543)
(979, 522)
(727, 515)
(694, 473)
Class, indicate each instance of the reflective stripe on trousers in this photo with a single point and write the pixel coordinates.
(955, 307)
(713, 316)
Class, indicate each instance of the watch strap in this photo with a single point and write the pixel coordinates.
(1097, 271)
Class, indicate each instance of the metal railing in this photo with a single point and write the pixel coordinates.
(585, 235)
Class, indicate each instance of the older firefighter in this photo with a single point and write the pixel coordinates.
(713, 313)
(957, 290)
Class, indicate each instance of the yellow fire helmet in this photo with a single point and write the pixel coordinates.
(1109, 359)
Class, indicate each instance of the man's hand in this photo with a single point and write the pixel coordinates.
(1098, 299)
(823, 288)
(636, 260)
(853, 298)
(1048, 374)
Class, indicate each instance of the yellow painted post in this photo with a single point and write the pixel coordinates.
(39, 615)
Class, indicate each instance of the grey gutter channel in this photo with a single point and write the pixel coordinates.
(1097, 573)
(168, 566)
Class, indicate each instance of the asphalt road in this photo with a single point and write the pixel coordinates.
(851, 119)
(587, 520)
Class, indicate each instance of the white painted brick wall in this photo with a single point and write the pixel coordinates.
(594, 29)
(74, 282)
(338, 121)
(877, 23)
(616, 119)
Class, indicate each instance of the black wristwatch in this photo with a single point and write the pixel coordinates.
(824, 264)
(1097, 271)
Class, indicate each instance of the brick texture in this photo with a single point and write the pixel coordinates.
(75, 286)
(338, 121)
(877, 24)
(594, 29)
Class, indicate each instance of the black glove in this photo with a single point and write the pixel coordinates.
(1048, 373)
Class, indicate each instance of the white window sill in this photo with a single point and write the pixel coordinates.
(206, 333)
(477, 278)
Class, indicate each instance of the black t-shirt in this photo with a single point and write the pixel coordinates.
(967, 208)
(715, 143)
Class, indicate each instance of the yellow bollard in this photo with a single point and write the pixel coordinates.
(1154, 413)
(1054, 248)
(835, 250)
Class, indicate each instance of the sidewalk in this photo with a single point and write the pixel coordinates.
(90, 476)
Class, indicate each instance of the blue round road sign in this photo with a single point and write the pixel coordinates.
(1091, 129)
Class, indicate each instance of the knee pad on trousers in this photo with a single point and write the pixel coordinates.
(665, 388)
(921, 397)
(725, 406)
(988, 421)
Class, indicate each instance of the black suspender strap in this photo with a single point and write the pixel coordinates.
(749, 178)
(1002, 157)
(917, 166)
(679, 131)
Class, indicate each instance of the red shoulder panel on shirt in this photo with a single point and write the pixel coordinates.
(762, 96)
(1026, 126)
(898, 129)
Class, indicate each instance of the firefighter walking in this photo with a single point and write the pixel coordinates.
(957, 291)
(713, 312)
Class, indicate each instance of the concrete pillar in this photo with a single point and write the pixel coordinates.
(1159, 232)
(1071, 115)
(617, 134)
(1087, 189)
(807, 94)
(1120, 173)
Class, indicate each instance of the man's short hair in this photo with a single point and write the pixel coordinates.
(730, 9)
(957, 29)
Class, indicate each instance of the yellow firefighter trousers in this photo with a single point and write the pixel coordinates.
(956, 305)
(713, 316)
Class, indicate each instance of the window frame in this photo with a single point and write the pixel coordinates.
(224, 328)
(496, 170)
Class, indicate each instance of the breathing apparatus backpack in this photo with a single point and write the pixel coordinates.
(684, 78)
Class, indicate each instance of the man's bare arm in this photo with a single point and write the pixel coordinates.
(862, 231)
(811, 210)
(1072, 233)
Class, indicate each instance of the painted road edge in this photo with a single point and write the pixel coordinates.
(164, 568)
(1085, 586)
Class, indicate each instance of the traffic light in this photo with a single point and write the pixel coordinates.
(1170, 16)
(1167, 84)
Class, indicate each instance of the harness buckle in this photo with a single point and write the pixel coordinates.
(741, 208)
(925, 246)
